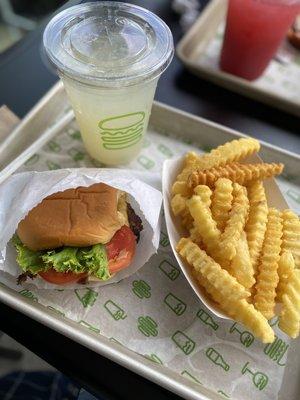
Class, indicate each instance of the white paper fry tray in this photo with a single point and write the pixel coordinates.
(171, 132)
(200, 49)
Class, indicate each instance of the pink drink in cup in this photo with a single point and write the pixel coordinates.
(254, 31)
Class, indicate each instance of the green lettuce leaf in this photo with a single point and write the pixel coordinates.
(29, 261)
(66, 259)
(95, 260)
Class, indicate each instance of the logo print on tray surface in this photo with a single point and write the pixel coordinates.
(28, 294)
(76, 155)
(165, 150)
(147, 326)
(259, 379)
(32, 160)
(52, 165)
(76, 135)
(246, 338)
(114, 310)
(169, 270)
(87, 297)
(207, 319)
(112, 339)
(154, 358)
(276, 350)
(54, 146)
(223, 394)
(89, 326)
(164, 239)
(146, 143)
(56, 311)
(145, 162)
(141, 289)
(214, 356)
(182, 341)
(188, 375)
(122, 131)
(175, 304)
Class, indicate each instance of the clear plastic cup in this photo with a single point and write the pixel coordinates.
(110, 56)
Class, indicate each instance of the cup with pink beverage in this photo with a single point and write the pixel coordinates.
(254, 31)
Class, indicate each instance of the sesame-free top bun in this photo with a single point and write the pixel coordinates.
(75, 217)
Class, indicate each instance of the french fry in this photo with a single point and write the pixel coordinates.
(236, 172)
(245, 313)
(204, 192)
(210, 289)
(240, 311)
(235, 150)
(196, 238)
(291, 235)
(219, 278)
(236, 222)
(204, 223)
(181, 187)
(267, 278)
(286, 266)
(178, 204)
(257, 221)
(221, 202)
(179, 207)
(224, 154)
(289, 319)
(187, 220)
(189, 161)
(241, 266)
(190, 158)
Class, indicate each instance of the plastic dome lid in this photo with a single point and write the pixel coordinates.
(108, 43)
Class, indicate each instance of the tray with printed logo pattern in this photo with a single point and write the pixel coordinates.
(156, 306)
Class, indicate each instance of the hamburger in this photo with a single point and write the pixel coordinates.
(78, 235)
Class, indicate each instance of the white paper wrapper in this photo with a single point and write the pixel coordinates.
(21, 192)
(171, 169)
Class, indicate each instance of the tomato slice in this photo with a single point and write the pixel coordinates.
(121, 249)
(61, 278)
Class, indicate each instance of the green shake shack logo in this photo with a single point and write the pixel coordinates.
(122, 131)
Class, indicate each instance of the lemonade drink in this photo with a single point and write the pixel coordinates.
(112, 122)
(110, 56)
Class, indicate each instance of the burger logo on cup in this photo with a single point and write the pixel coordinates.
(122, 131)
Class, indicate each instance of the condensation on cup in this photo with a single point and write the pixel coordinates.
(110, 56)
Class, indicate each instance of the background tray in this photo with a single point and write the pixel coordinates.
(200, 48)
(169, 129)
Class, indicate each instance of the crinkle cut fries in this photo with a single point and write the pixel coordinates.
(244, 254)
